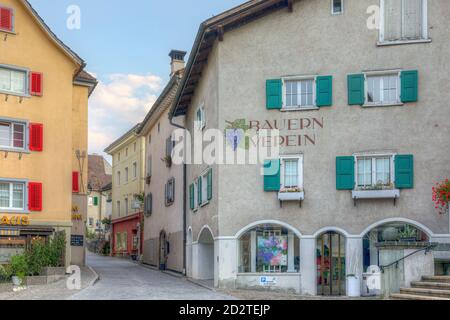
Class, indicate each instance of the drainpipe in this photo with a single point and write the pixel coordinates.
(184, 202)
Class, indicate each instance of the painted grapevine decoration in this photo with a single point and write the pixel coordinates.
(441, 196)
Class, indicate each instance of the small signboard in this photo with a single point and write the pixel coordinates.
(267, 281)
(76, 240)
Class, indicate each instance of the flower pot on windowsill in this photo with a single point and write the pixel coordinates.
(376, 194)
(291, 195)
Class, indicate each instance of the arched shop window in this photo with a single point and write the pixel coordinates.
(269, 249)
(395, 233)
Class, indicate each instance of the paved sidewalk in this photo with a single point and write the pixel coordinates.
(54, 291)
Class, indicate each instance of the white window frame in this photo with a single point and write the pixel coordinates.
(90, 201)
(300, 78)
(300, 169)
(204, 177)
(373, 157)
(380, 74)
(25, 123)
(332, 8)
(26, 84)
(200, 125)
(25, 196)
(170, 188)
(424, 38)
(196, 204)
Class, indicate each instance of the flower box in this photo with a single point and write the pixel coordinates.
(376, 194)
(291, 196)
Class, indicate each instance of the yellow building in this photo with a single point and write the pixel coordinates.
(128, 179)
(43, 134)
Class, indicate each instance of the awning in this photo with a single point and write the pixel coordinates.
(9, 232)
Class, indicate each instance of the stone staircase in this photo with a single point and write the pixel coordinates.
(430, 288)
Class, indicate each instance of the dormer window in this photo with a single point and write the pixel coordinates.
(6, 19)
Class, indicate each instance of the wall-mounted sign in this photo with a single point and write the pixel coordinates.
(76, 240)
(15, 221)
(267, 281)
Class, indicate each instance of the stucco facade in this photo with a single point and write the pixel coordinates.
(61, 108)
(311, 41)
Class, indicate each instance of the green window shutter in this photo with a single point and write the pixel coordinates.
(191, 196)
(410, 86)
(404, 171)
(95, 201)
(199, 191)
(345, 173)
(324, 91)
(274, 92)
(272, 179)
(356, 94)
(209, 184)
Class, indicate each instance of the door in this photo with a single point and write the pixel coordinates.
(162, 251)
(331, 264)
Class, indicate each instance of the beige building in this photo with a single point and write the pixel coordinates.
(44, 93)
(363, 120)
(99, 181)
(128, 157)
(163, 205)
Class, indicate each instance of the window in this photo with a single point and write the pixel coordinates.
(383, 89)
(13, 81)
(149, 139)
(204, 189)
(200, 120)
(118, 208)
(403, 20)
(269, 249)
(195, 196)
(126, 152)
(299, 93)
(126, 206)
(170, 192)
(6, 19)
(118, 178)
(90, 201)
(374, 172)
(135, 170)
(12, 135)
(134, 147)
(337, 6)
(291, 172)
(91, 222)
(149, 166)
(118, 157)
(12, 195)
(126, 175)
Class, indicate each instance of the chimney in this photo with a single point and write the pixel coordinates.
(177, 61)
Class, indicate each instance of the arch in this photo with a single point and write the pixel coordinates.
(335, 229)
(416, 224)
(250, 226)
(205, 227)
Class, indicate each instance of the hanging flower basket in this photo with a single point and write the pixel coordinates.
(441, 196)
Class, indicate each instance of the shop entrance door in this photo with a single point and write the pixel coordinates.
(331, 264)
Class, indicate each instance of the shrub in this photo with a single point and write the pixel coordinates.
(19, 266)
(5, 273)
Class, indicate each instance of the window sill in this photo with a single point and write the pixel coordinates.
(204, 204)
(299, 109)
(369, 105)
(8, 32)
(376, 194)
(12, 211)
(13, 150)
(291, 196)
(402, 42)
(15, 94)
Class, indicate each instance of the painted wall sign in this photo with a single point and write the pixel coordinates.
(76, 240)
(296, 132)
(15, 221)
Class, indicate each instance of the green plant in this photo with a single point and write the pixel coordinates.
(408, 232)
(19, 266)
(5, 273)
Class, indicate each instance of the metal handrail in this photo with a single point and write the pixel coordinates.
(426, 249)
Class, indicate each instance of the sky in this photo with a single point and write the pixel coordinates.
(126, 45)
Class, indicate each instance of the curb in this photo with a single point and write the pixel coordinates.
(96, 278)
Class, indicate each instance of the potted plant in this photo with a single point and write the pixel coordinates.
(19, 269)
(441, 196)
(409, 234)
(168, 161)
(291, 194)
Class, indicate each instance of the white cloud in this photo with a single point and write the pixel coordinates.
(118, 104)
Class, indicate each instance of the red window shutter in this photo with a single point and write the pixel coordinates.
(6, 19)
(75, 182)
(36, 83)
(36, 137)
(35, 196)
